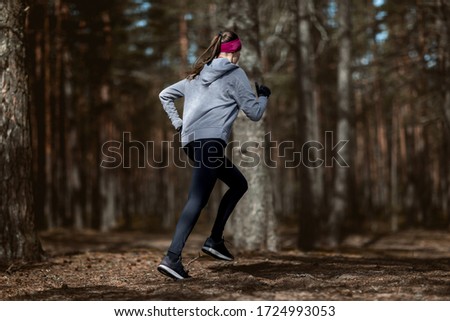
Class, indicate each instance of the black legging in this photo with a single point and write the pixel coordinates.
(210, 164)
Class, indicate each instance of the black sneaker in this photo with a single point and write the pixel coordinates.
(217, 250)
(174, 270)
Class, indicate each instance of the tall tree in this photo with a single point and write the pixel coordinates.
(254, 221)
(443, 29)
(443, 21)
(17, 232)
(310, 171)
(340, 198)
(36, 36)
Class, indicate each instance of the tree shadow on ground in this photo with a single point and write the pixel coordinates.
(317, 273)
(122, 266)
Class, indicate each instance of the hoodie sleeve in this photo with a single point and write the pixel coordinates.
(246, 99)
(168, 96)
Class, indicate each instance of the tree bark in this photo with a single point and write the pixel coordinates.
(18, 236)
(311, 175)
(443, 25)
(340, 201)
(254, 221)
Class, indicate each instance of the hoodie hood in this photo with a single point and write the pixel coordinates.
(216, 69)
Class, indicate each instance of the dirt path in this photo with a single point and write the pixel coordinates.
(413, 265)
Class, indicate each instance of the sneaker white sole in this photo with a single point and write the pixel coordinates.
(169, 272)
(216, 254)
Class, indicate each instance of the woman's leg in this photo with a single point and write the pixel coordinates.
(205, 155)
(237, 184)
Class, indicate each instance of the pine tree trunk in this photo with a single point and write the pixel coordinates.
(183, 38)
(443, 24)
(19, 240)
(311, 176)
(340, 200)
(254, 221)
(35, 28)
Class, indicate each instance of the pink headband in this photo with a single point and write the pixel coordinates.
(231, 46)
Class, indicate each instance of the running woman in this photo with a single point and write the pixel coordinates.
(214, 92)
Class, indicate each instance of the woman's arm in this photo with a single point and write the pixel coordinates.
(246, 99)
(167, 97)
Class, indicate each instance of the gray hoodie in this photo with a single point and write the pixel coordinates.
(212, 101)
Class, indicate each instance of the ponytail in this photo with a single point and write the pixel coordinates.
(211, 52)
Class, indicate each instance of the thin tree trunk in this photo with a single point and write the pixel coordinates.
(311, 176)
(18, 236)
(50, 194)
(183, 39)
(101, 105)
(340, 201)
(393, 170)
(76, 188)
(60, 118)
(35, 28)
(167, 181)
(443, 25)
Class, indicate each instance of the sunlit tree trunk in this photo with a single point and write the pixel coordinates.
(18, 237)
(253, 222)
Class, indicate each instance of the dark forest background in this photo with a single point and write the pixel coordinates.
(96, 68)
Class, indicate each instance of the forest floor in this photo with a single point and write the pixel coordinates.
(411, 265)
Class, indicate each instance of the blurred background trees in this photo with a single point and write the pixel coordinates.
(375, 73)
